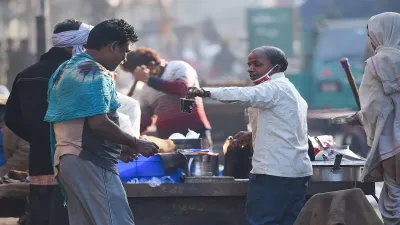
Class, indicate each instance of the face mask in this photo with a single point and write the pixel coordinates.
(265, 77)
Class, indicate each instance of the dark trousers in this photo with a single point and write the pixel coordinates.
(46, 206)
(275, 200)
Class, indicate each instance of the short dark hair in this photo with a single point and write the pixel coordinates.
(109, 31)
(66, 25)
(139, 57)
(276, 56)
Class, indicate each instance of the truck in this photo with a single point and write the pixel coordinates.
(337, 39)
(321, 81)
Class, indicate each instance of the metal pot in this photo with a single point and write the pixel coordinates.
(331, 152)
(337, 171)
(202, 164)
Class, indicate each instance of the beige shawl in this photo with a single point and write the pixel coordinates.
(380, 91)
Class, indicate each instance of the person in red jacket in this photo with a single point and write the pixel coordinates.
(167, 82)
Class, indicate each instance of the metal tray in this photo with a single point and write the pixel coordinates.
(209, 179)
(342, 164)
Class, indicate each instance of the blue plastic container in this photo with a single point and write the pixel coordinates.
(127, 171)
(145, 168)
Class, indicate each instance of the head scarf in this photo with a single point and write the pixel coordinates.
(379, 92)
(72, 38)
(383, 31)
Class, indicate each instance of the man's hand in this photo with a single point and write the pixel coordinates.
(242, 138)
(197, 92)
(128, 156)
(146, 148)
(142, 73)
(354, 120)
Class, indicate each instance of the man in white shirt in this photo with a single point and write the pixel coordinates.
(129, 112)
(281, 165)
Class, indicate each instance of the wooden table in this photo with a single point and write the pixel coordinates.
(13, 199)
(184, 203)
(206, 203)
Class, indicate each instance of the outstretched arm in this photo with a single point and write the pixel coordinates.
(176, 87)
(260, 96)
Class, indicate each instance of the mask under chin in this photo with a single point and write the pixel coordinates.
(261, 79)
(255, 77)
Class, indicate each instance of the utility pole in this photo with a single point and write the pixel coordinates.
(42, 12)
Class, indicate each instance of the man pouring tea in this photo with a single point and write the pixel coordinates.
(281, 165)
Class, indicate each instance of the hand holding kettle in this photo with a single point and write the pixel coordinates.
(197, 92)
(352, 120)
(242, 138)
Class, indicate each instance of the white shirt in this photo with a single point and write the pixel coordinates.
(181, 70)
(279, 125)
(129, 115)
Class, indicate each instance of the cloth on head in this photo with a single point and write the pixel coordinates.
(72, 38)
(380, 111)
(380, 93)
(383, 31)
(181, 70)
(79, 88)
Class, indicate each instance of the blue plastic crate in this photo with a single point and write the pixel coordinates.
(145, 168)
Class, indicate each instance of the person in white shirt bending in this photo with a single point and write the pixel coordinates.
(129, 115)
(281, 165)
